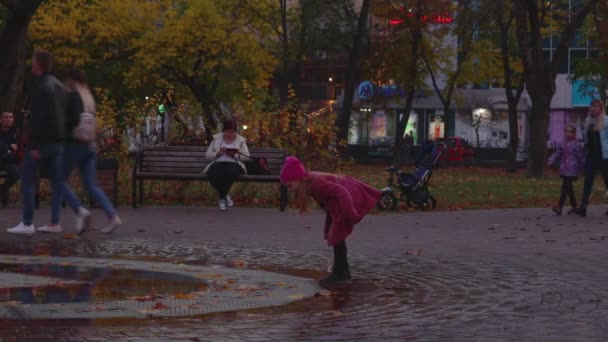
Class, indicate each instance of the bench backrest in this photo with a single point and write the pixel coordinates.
(191, 159)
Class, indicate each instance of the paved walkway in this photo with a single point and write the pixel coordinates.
(493, 275)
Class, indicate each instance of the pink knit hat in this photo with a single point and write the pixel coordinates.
(292, 170)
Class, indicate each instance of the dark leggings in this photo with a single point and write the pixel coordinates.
(567, 191)
(592, 166)
(340, 258)
(221, 176)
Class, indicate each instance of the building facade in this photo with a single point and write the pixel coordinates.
(479, 115)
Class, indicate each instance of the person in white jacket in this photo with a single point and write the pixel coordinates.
(228, 150)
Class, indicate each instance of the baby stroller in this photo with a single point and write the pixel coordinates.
(413, 186)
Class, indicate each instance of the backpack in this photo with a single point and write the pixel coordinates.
(86, 130)
(257, 166)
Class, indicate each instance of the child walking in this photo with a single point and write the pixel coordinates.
(570, 156)
(345, 200)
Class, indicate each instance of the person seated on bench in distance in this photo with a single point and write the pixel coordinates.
(227, 151)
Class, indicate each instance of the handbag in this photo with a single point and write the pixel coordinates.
(256, 165)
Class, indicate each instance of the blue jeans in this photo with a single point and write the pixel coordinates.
(592, 167)
(51, 158)
(82, 156)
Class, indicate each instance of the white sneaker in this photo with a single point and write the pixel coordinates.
(50, 228)
(229, 202)
(222, 203)
(115, 221)
(83, 220)
(22, 229)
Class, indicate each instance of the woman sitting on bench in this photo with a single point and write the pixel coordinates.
(227, 150)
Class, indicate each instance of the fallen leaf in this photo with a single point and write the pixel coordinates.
(11, 303)
(238, 263)
(413, 252)
(550, 241)
(296, 296)
(144, 298)
(324, 293)
(70, 236)
(185, 296)
(160, 306)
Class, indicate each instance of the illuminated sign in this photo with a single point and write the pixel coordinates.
(439, 18)
(366, 90)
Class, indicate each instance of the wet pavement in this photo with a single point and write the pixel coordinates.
(495, 275)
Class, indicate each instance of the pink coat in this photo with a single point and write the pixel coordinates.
(346, 201)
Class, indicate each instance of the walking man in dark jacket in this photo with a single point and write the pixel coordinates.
(46, 132)
(8, 154)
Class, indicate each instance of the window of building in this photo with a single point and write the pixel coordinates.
(576, 55)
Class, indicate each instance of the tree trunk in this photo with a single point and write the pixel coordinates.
(352, 73)
(511, 162)
(284, 78)
(208, 104)
(539, 123)
(13, 39)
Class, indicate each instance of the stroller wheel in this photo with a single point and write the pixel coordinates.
(413, 204)
(433, 202)
(388, 201)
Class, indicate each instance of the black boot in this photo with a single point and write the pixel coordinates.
(557, 210)
(340, 272)
(338, 275)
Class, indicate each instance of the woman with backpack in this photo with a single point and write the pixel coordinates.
(81, 151)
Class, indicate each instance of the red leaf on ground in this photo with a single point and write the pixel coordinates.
(160, 306)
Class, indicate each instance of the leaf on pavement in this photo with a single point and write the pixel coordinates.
(70, 236)
(185, 296)
(238, 263)
(160, 306)
(296, 296)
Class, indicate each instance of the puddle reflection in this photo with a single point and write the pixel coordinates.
(98, 284)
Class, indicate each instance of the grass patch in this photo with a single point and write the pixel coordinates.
(456, 188)
(483, 188)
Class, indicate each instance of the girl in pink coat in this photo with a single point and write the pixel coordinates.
(345, 200)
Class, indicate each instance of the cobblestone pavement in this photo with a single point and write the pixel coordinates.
(494, 275)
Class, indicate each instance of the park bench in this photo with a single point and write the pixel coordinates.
(188, 162)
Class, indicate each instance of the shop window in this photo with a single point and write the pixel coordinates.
(436, 127)
(576, 55)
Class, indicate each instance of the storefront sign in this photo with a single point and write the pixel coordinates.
(583, 93)
(366, 90)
